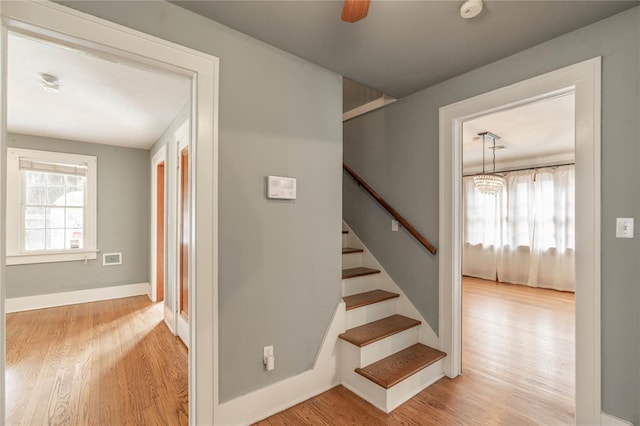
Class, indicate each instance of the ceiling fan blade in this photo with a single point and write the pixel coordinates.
(355, 10)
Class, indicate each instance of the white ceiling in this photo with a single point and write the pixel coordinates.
(534, 134)
(100, 101)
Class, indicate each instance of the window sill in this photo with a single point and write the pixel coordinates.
(24, 258)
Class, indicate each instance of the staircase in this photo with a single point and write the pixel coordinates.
(382, 358)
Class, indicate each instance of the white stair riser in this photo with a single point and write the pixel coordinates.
(360, 316)
(388, 346)
(345, 240)
(349, 361)
(363, 356)
(351, 286)
(389, 399)
(365, 389)
(412, 385)
(351, 260)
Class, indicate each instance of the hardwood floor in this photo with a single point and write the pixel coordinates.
(105, 363)
(518, 369)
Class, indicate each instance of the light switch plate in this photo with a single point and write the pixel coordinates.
(624, 227)
(394, 225)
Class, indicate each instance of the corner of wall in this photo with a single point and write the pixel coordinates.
(279, 396)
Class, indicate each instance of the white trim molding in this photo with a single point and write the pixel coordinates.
(42, 301)
(585, 80)
(609, 420)
(66, 26)
(279, 396)
(375, 104)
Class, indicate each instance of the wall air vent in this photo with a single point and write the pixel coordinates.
(110, 259)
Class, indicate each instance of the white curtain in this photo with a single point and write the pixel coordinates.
(481, 232)
(525, 234)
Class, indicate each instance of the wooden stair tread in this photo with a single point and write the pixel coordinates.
(368, 298)
(358, 272)
(347, 250)
(395, 368)
(378, 330)
(345, 232)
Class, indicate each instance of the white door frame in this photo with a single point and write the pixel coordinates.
(65, 25)
(585, 79)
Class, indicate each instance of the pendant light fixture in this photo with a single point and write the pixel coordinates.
(489, 183)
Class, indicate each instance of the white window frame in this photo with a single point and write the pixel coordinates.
(16, 255)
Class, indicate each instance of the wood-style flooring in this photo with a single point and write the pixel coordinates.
(104, 363)
(518, 369)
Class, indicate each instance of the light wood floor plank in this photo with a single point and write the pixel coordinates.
(518, 369)
(104, 363)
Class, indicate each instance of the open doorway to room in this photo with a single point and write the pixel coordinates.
(518, 255)
(87, 251)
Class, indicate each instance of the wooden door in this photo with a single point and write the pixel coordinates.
(160, 233)
(184, 233)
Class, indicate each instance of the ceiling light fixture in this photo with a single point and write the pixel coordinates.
(471, 9)
(50, 82)
(489, 183)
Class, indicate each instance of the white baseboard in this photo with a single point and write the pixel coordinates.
(18, 304)
(277, 397)
(609, 420)
(168, 319)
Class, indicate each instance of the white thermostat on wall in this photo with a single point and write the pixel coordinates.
(281, 188)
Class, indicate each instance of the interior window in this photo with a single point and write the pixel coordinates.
(51, 206)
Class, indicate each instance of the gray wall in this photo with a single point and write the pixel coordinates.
(279, 277)
(123, 223)
(396, 151)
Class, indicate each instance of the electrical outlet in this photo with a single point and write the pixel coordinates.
(268, 351)
(269, 358)
(394, 225)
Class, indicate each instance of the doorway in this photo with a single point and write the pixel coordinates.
(57, 170)
(48, 20)
(518, 254)
(585, 79)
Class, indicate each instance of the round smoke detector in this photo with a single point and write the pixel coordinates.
(471, 9)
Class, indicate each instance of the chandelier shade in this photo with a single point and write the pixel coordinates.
(489, 183)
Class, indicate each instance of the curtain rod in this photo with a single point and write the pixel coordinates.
(526, 168)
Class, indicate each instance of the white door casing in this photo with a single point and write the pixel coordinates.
(585, 79)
